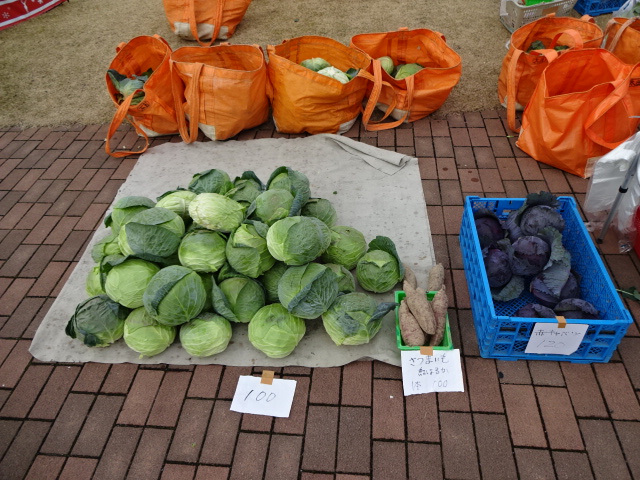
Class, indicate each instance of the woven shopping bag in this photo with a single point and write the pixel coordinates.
(418, 95)
(150, 109)
(220, 90)
(522, 66)
(205, 19)
(622, 37)
(303, 100)
(582, 107)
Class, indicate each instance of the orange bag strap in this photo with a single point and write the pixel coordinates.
(619, 94)
(119, 116)
(512, 81)
(623, 27)
(577, 38)
(193, 97)
(378, 84)
(193, 24)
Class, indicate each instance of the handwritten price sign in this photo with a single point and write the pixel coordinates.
(549, 338)
(440, 372)
(274, 400)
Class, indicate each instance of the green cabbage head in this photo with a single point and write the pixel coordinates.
(355, 318)
(386, 63)
(322, 209)
(243, 297)
(206, 335)
(298, 240)
(177, 201)
(296, 182)
(246, 188)
(202, 250)
(247, 251)
(275, 332)
(127, 281)
(344, 278)
(216, 212)
(407, 70)
(153, 234)
(270, 279)
(315, 64)
(211, 181)
(105, 247)
(124, 209)
(347, 246)
(272, 205)
(380, 269)
(336, 74)
(175, 295)
(308, 291)
(143, 334)
(97, 321)
(93, 286)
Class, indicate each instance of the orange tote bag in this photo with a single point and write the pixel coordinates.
(521, 67)
(582, 108)
(622, 37)
(303, 100)
(418, 95)
(154, 115)
(220, 90)
(205, 19)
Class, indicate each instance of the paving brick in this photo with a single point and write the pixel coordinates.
(571, 465)
(221, 435)
(92, 218)
(605, 454)
(357, 383)
(47, 159)
(23, 450)
(583, 390)
(251, 456)
(424, 461)
(98, 425)
(54, 393)
(546, 373)
(559, 421)
(91, 377)
(320, 439)
(189, 435)
(389, 461)
(26, 391)
(494, 446)
(325, 386)
(67, 424)
(138, 404)
(256, 423)
(114, 461)
(388, 410)
(77, 468)
(10, 242)
(174, 471)
(9, 429)
(150, 454)
(628, 434)
(15, 364)
(108, 193)
(513, 372)
(484, 388)
(73, 247)
(534, 464)
(38, 262)
(168, 403)
(32, 217)
(618, 392)
(295, 423)
(230, 381)
(30, 178)
(524, 420)
(21, 317)
(283, 462)
(45, 467)
(354, 440)
(14, 215)
(46, 282)
(38, 235)
(422, 422)
(63, 203)
(206, 472)
(458, 446)
(206, 379)
(460, 137)
(119, 378)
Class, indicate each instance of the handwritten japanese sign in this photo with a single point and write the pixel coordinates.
(274, 400)
(440, 372)
(548, 338)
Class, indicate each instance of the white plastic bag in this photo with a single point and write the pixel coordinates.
(630, 8)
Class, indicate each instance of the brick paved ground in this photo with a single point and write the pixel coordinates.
(516, 419)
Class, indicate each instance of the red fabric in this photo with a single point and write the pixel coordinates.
(16, 11)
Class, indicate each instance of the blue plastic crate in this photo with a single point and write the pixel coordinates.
(504, 337)
(597, 7)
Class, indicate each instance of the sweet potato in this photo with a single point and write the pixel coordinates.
(420, 307)
(410, 330)
(436, 278)
(410, 276)
(440, 303)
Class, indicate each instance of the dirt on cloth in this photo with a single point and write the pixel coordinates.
(54, 66)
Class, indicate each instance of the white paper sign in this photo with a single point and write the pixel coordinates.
(261, 399)
(548, 338)
(440, 372)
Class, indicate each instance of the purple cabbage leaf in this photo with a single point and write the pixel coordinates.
(512, 290)
(514, 222)
(535, 310)
(496, 264)
(488, 226)
(577, 308)
(529, 255)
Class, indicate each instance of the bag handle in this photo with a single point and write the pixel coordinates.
(378, 84)
(193, 97)
(619, 94)
(577, 38)
(193, 24)
(623, 27)
(512, 81)
(119, 116)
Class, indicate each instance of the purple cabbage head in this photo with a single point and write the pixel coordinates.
(545, 296)
(576, 308)
(535, 310)
(535, 218)
(496, 263)
(529, 255)
(488, 226)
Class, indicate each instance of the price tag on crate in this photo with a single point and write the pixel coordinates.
(264, 395)
(428, 370)
(556, 338)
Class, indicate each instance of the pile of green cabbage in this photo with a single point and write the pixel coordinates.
(399, 71)
(199, 259)
(323, 67)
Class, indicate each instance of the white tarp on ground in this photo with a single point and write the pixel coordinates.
(376, 191)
